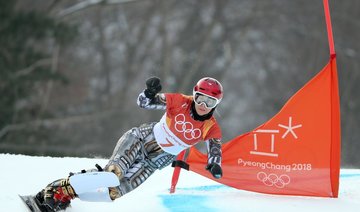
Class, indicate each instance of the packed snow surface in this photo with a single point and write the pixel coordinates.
(24, 175)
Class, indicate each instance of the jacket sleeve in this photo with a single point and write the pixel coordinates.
(214, 151)
(156, 103)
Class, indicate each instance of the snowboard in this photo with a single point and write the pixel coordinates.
(86, 185)
(31, 203)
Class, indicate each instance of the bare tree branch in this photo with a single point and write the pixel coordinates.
(87, 4)
(31, 68)
(61, 122)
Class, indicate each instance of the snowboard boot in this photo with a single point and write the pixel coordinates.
(56, 196)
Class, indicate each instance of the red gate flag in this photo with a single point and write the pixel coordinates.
(297, 152)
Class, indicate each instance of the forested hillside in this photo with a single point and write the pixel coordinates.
(70, 71)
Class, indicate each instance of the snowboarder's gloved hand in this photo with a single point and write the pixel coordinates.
(215, 170)
(153, 87)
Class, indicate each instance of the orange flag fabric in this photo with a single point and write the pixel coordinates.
(297, 152)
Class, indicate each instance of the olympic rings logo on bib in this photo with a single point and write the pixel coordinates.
(187, 128)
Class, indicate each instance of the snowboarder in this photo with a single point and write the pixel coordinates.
(144, 149)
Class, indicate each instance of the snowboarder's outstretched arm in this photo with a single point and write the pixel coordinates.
(214, 157)
(150, 97)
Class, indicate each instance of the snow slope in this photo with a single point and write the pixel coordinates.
(26, 175)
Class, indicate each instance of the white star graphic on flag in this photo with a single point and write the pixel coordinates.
(290, 128)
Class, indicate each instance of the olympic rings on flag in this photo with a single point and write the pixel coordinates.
(274, 180)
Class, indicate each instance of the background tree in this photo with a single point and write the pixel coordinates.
(29, 42)
(262, 51)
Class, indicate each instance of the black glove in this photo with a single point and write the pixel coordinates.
(153, 87)
(215, 170)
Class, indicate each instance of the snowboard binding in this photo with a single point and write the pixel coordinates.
(56, 196)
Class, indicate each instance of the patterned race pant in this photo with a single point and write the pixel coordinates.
(136, 156)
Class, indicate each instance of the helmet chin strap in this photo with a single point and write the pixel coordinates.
(197, 117)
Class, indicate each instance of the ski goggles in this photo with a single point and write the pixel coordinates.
(209, 101)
